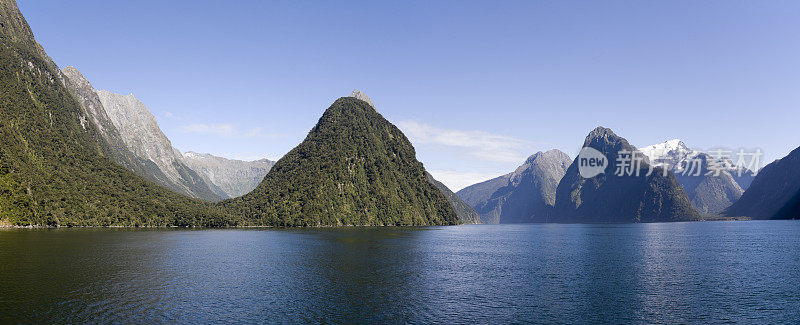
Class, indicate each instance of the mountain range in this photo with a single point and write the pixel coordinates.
(526, 195)
(136, 142)
(228, 178)
(71, 155)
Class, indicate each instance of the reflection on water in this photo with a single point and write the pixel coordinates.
(678, 272)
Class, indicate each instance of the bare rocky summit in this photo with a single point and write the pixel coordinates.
(357, 94)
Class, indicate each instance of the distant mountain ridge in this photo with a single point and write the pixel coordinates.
(526, 195)
(230, 178)
(478, 194)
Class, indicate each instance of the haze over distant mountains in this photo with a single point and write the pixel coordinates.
(229, 178)
(61, 141)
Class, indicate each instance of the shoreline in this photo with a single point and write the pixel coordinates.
(8, 227)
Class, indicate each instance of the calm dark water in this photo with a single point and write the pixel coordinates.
(745, 272)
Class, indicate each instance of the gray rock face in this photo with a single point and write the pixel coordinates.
(465, 213)
(362, 96)
(709, 192)
(112, 144)
(526, 195)
(134, 140)
(627, 198)
(229, 177)
(774, 193)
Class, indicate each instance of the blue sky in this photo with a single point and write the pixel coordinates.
(477, 86)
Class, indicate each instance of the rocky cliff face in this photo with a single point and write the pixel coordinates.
(709, 192)
(773, 191)
(362, 96)
(627, 198)
(134, 139)
(229, 177)
(528, 194)
(113, 146)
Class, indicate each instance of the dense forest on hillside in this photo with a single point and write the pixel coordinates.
(354, 168)
(52, 168)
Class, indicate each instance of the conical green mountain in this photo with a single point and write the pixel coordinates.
(353, 168)
(54, 169)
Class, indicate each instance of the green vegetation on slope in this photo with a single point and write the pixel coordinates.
(354, 168)
(52, 170)
(465, 213)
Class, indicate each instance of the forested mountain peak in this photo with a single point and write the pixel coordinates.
(353, 168)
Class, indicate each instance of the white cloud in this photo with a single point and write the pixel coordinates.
(247, 156)
(223, 130)
(458, 180)
(478, 144)
(226, 130)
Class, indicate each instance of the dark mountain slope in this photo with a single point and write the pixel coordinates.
(611, 198)
(771, 191)
(791, 210)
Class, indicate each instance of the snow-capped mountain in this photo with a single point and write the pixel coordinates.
(695, 170)
(671, 153)
(680, 159)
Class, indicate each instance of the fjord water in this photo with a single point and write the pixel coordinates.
(668, 272)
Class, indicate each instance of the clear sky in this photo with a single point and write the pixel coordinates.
(477, 86)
